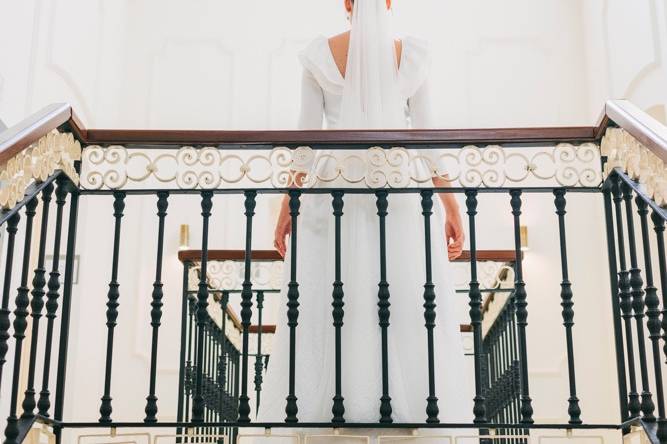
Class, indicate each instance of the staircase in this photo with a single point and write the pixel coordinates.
(53, 168)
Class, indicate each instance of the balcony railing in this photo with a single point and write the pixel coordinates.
(621, 161)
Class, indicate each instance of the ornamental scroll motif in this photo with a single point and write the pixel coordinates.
(638, 162)
(35, 164)
(188, 168)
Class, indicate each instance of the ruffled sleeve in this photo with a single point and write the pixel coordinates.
(316, 58)
(415, 65)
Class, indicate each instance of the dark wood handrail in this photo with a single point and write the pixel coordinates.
(20, 136)
(651, 133)
(272, 255)
(640, 125)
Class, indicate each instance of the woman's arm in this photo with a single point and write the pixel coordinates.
(421, 116)
(312, 113)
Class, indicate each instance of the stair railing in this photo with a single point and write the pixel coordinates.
(623, 158)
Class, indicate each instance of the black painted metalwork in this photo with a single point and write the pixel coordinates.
(202, 313)
(659, 227)
(246, 305)
(568, 308)
(638, 306)
(184, 344)
(634, 405)
(338, 313)
(20, 324)
(521, 311)
(615, 302)
(112, 307)
(52, 295)
(383, 305)
(476, 316)
(63, 345)
(12, 229)
(291, 408)
(156, 307)
(37, 304)
(653, 314)
(259, 365)
(432, 409)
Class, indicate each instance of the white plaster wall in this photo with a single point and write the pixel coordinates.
(232, 65)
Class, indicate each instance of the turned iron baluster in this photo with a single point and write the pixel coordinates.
(476, 316)
(638, 306)
(659, 227)
(20, 324)
(383, 307)
(246, 306)
(12, 228)
(653, 314)
(52, 295)
(37, 303)
(291, 408)
(65, 315)
(202, 313)
(112, 307)
(259, 367)
(568, 308)
(432, 409)
(338, 312)
(615, 301)
(156, 308)
(184, 344)
(634, 405)
(521, 311)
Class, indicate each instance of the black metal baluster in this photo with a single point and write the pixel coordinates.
(634, 405)
(52, 295)
(291, 408)
(20, 324)
(383, 307)
(184, 344)
(615, 302)
(259, 367)
(202, 312)
(63, 345)
(653, 314)
(638, 306)
(338, 312)
(432, 409)
(224, 367)
(521, 311)
(156, 307)
(37, 304)
(568, 308)
(476, 316)
(659, 227)
(246, 306)
(112, 307)
(12, 228)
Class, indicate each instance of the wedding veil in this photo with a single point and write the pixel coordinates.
(371, 94)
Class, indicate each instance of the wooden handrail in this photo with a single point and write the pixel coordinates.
(651, 133)
(272, 255)
(20, 136)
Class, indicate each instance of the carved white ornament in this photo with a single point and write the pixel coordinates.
(35, 164)
(638, 162)
(117, 167)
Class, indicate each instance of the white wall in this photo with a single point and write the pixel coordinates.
(232, 65)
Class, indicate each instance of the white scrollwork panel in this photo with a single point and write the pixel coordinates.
(35, 164)
(189, 168)
(638, 162)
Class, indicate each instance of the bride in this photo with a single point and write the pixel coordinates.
(365, 79)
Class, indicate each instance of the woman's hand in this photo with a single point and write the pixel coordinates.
(454, 234)
(283, 227)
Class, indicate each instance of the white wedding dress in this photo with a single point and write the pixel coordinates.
(361, 344)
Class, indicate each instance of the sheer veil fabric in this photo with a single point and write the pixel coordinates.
(375, 94)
